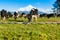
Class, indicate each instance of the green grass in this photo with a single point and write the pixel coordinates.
(30, 31)
(43, 19)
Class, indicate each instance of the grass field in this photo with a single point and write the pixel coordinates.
(43, 19)
(30, 31)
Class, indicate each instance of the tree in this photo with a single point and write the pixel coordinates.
(56, 6)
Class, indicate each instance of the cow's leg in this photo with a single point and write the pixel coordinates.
(32, 18)
(15, 17)
(23, 18)
(29, 19)
(36, 18)
(4, 18)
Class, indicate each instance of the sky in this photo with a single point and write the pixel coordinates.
(13, 5)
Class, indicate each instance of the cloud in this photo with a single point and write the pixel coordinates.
(29, 7)
(45, 10)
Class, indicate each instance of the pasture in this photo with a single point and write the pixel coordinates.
(30, 31)
(40, 19)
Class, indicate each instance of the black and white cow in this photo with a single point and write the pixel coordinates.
(15, 15)
(29, 17)
(3, 14)
(58, 15)
(34, 14)
(23, 15)
(10, 14)
(50, 15)
(43, 15)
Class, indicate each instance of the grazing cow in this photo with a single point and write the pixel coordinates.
(15, 15)
(3, 14)
(43, 15)
(34, 14)
(10, 14)
(50, 15)
(23, 15)
(29, 17)
(58, 15)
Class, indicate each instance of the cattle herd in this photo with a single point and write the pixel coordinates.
(33, 15)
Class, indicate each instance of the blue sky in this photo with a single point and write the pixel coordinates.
(12, 5)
